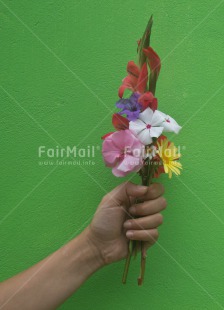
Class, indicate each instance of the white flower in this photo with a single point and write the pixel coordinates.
(169, 124)
(147, 126)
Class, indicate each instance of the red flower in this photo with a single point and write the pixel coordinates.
(155, 66)
(136, 80)
(148, 100)
(120, 122)
(153, 60)
(159, 170)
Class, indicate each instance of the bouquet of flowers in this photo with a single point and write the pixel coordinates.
(138, 144)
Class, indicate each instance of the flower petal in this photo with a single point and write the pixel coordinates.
(110, 152)
(128, 82)
(157, 119)
(136, 126)
(147, 100)
(169, 124)
(120, 122)
(133, 69)
(118, 173)
(129, 163)
(143, 79)
(153, 59)
(121, 90)
(145, 137)
(120, 104)
(123, 139)
(107, 135)
(132, 116)
(146, 116)
(156, 131)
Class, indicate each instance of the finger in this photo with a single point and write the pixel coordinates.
(135, 190)
(148, 207)
(150, 235)
(123, 192)
(154, 191)
(147, 222)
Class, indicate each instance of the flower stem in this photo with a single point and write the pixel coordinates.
(146, 180)
(131, 247)
(143, 261)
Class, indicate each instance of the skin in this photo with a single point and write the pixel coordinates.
(49, 283)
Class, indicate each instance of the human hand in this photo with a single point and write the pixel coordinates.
(113, 223)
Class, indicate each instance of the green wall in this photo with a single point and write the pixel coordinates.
(62, 63)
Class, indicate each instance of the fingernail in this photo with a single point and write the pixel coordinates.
(132, 209)
(129, 234)
(127, 224)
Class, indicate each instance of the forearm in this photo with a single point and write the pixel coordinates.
(49, 283)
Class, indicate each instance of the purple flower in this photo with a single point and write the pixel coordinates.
(130, 107)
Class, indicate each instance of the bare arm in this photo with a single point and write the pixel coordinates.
(50, 282)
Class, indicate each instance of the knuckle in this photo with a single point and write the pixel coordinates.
(133, 234)
(140, 209)
(105, 198)
(108, 198)
(127, 183)
(132, 222)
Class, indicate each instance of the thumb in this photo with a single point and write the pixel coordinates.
(123, 192)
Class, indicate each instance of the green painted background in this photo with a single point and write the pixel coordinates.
(62, 63)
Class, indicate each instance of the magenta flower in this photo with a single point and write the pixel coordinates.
(123, 152)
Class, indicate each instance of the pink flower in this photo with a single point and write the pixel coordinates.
(123, 152)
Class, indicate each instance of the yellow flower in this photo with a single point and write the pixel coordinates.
(169, 156)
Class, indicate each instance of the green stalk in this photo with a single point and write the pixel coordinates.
(131, 247)
(145, 181)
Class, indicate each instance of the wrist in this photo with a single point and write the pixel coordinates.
(93, 248)
(81, 258)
